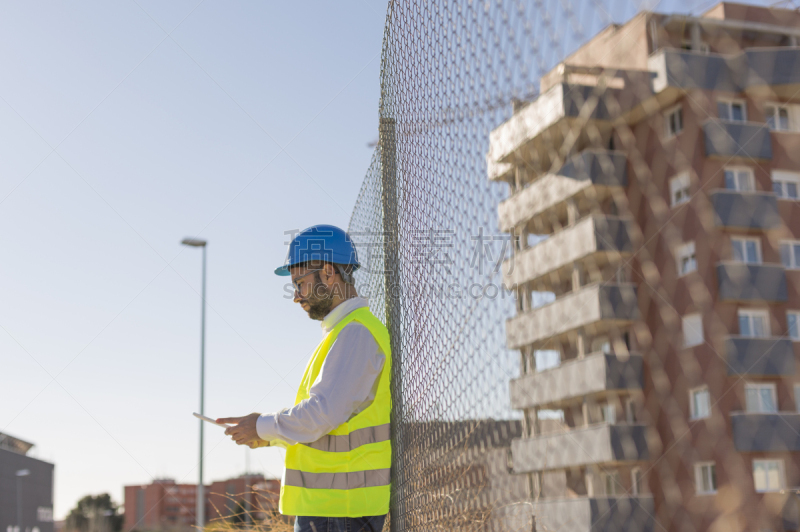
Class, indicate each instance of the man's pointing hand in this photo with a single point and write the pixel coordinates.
(244, 430)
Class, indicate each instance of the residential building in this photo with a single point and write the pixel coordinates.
(246, 495)
(660, 168)
(26, 485)
(166, 505)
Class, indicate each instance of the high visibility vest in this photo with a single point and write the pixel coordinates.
(346, 473)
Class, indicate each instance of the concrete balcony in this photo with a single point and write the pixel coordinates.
(684, 70)
(746, 210)
(594, 374)
(609, 235)
(590, 168)
(566, 106)
(748, 140)
(595, 514)
(612, 303)
(755, 433)
(776, 68)
(759, 356)
(739, 281)
(595, 444)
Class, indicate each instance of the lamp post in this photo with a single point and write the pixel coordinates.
(21, 473)
(200, 510)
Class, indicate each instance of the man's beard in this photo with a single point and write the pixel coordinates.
(319, 301)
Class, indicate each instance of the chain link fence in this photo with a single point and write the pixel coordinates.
(582, 231)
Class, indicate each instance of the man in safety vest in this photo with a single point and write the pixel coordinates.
(338, 448)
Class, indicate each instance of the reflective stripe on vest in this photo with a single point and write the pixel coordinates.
(347, 442)
(338, 481)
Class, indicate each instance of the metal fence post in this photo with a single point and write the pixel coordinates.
(392, 288)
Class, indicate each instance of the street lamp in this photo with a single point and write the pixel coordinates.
(21, 473)
(200, 510)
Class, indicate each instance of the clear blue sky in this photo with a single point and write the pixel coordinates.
(125, 127)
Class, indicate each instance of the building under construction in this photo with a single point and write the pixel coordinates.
(654, 186)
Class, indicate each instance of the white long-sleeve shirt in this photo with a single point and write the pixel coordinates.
(345, 386)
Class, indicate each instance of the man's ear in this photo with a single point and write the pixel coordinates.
(330, 273)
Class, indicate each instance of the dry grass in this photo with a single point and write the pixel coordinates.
(263, 515)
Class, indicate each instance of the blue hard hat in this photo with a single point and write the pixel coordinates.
(326, 243)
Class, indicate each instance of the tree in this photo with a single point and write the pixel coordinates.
(239, 515)
(95, 514)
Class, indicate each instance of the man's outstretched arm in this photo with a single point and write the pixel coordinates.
(345, 386)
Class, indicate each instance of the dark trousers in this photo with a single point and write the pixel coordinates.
(339, 524)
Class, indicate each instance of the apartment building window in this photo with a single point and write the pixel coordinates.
(797, 397)
(790, 254)
(768, 475)
(630, 411)
(746, 249)
(601, 345)
(700, 403)
(692, 330)
(609, 413)
(679, 189)
(753, 323)
(44, 515)
(793, 321)
(673, 118)
(786, 185)
(703, 49)
(611, 483)
(636, 481)
(739, 179)
(760, 397)
(732, 110)
(705, 475)
(687, 260)
(778, 117)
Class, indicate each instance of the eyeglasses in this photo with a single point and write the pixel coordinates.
(297, 286)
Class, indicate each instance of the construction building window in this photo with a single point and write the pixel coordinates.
(797, 397)
(793, 322)
(700, 403)
(601, 344)
(679, 189)
(786, 185)
(790, 254)
(687, 259)
(611, 483)
(703, 48)
(609, 413)
(746, 249)
(692, 330)
(739, 179)
(630, 411)
(768, 475)
(636, 481)
(779, 117)
(705, 474)
(760, 397)
(732, 110)
(673, 119)
(753, 323)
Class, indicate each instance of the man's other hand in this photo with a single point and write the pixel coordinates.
(244, 430)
